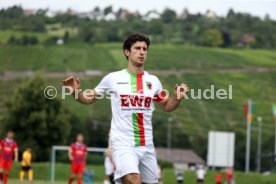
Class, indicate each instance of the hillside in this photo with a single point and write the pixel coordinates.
(251, 73)
(79, 57)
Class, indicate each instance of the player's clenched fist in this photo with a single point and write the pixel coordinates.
(180, 91)
(72, 82)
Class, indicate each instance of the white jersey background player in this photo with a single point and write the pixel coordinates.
(133, 93)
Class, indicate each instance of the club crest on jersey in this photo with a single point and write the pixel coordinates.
(149, 85)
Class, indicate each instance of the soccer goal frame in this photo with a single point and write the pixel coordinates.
(66, 148)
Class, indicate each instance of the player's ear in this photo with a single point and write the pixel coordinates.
(126, 52)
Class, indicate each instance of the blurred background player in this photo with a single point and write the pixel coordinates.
(26, 165)
(77, 154)
(179, 176)
(109, 167)
(8, 151)
(200, 174)
(229, 175)
(218, 178)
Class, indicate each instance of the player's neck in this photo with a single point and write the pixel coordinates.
(135, 69)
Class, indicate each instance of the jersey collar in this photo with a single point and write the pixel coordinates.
(138, 75)
(9, 140)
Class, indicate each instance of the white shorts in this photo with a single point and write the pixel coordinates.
(109, 168)
(141, 160)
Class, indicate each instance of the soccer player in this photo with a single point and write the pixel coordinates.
(77, 154)
(179, 176)
(218, 178)
(229, 175)
(9, 150)
(132, 92)
(26, 165)
(200, 174)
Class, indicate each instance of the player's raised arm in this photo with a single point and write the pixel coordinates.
(170, 104)
(87, 97)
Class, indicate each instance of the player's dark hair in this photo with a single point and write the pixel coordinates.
(131, 39)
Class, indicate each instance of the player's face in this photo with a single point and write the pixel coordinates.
(10, 135)
(138, 53)
(80, 139)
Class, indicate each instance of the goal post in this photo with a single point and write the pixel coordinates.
(66, 148)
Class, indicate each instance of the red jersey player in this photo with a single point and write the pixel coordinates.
(77, 154)
(8, 151)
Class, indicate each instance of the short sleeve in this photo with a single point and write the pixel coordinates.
(25, 155)
(160, 94)
(15, 147)
(103, 86)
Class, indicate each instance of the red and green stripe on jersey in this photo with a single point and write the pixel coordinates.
(136, 81)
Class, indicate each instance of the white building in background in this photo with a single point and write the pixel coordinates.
(92, 15)
(181, 158)
(211, 14)
(50, 14)
(185, 13)
(83, 15)
(29, 12)
(110, 16)
(153, 14)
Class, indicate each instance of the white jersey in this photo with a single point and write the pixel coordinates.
(200, 174)
(132, 97)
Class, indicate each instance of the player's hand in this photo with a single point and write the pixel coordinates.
(72, 82)
(180, 91)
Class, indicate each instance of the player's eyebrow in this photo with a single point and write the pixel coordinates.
(139, 47)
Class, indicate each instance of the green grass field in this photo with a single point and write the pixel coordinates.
(63, 171)
(5, 35)
(51, 30)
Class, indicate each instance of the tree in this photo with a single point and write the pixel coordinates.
(66, 36)
(24, 40)
(38, 122)
(107, 10)
(211, 37)
(230, 13)
(12, 40)
(226, 39)
(86, 33)
(99, 129)
(14, 12)
(155, 27)
(33, 40)
(168, 15)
